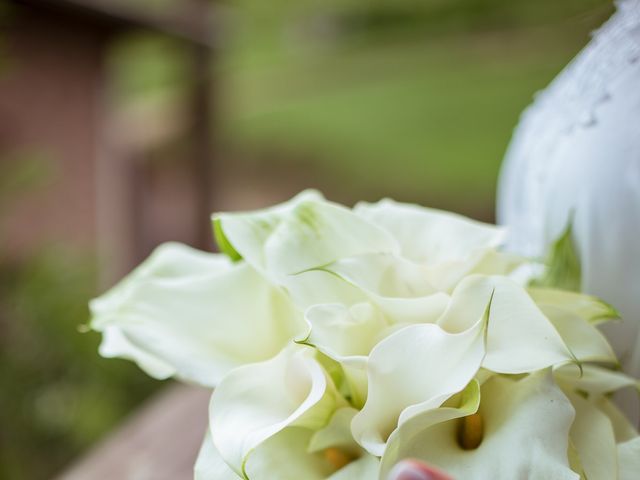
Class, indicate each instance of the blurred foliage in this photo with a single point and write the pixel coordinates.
(148, 65)
(415, 99)
(22, 171)
(58, 395)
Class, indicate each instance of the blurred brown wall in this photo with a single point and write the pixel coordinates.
(50, 103)
(104, 190)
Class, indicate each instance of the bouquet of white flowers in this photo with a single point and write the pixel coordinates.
(341, 341)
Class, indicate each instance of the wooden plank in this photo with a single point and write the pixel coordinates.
(189, 21)
(159, 442)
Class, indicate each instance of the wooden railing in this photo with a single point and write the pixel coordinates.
(158, 442)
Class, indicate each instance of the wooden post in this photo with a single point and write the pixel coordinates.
(203, 108)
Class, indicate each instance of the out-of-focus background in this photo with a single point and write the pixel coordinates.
(123, 123)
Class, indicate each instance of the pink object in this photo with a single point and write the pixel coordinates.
(416, 470)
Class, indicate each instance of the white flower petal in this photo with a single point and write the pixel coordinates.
(526, 428)
(629, 459)
(583, 339)
(194, 315)
(210, 465)
(594, 379)
(412, 310)
(398, 287)
(364, 468)
(355, 371)
(446, 276)
(623, 430)
(520, 338)
(284, 456)
(430, 236)
(254, 402)
(593, 438)
(301, 234)
(337, 433)
(339, 331)
(347, 335)
(384, 274)
(116, 345)
(465, 403)
(169, 262)
(468, 303)
(587, 307)
(314, 287)
(413, 370)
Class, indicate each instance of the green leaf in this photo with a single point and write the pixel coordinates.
(563, 265)
(223, 243)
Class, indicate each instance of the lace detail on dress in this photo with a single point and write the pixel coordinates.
(571, 101)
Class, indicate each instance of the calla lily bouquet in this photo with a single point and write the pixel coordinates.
(341, 341)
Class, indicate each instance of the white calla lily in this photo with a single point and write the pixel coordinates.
(605, 443)
(400, 288)
(364, 468)
(303, 233)
(519, 338)
(524, 434)
(184, 312)
(492, 320)
(598, 426)
(255, 402)
(313, 287)
(593, 439)
(623, 430)
(461, 405)
(448, 246)
(431, 236)
(339, 331)
(583, 339)
(285, 242)
(413, 370)
(384, 274)
(115, 344)
(297, 453)
(488, 262)
(338, 444)
(286, 456)
(210, 465)
(594, 379)
(347, 335)
(587, 307)
(629, 459)
(336, 337)
(336, 434)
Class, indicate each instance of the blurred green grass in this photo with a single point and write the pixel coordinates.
(418, 123)
(419, 107)
(415, 99)
(58, 396)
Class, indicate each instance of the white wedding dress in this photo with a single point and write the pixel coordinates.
(576, 154)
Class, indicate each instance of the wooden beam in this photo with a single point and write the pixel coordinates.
(203, 150)
(189, 21)
(159, 442)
